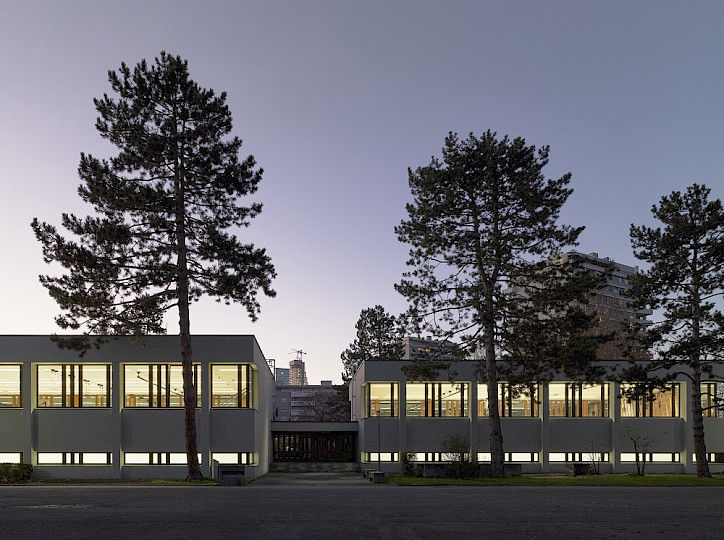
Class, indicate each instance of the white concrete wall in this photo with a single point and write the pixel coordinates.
(117, 429)
(541, 435)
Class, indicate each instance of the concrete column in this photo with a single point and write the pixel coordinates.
(614, 403)
(28, 395)
(473, 410)
(687, 437)
(203, 417)
(117, 401)
(402, 418)
(545, 437)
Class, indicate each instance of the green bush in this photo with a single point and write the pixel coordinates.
(16, 472)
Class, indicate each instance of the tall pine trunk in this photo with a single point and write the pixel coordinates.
(697, 419)
(495, 434)
(192, 460)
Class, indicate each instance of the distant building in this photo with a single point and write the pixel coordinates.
(300, 403)
(297, 373)
(414, 347)
(281, 376)
(612, 308)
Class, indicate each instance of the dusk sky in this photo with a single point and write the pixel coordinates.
(336, 100)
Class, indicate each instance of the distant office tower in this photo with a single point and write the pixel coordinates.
(281, 376)
(611, 306)
(297, 373)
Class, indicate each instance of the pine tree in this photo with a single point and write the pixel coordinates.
(166, 206)
(684, 280)
(487, 273)
(377, 339)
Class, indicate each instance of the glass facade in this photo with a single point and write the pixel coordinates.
(577, 400)
(663, 404)
(511, 403)
(10, 384)
(232, 385)
(382, 397)
(74, 385)
(157, 385)
(437, 399)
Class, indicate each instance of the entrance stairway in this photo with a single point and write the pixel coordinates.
(313, 466)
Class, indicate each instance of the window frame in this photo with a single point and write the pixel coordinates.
(68, 398)
(246, 369)
(573, 400)
(158, 378)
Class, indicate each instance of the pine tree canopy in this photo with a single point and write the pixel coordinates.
(378, 338)
(486, 258)
(166, 209)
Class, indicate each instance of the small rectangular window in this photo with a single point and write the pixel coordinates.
(75, 458)
(233, 458)
(510, 457)
(156, 458)
(384, 457)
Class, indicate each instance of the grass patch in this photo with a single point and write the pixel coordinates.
(619, 480)
(127, 482)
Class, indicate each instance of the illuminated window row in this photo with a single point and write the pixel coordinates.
(75, 458)
(146, 385)
(385, 457)
(571, 400)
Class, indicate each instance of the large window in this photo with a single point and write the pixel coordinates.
(663, 404)
(74, 385)
(511, 402)
(712, 399)
(10, 379)
(382, 397)
(232, 385)
(158, 385)
(577, 400)
(437, 399)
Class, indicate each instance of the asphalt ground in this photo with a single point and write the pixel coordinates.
(346, 506)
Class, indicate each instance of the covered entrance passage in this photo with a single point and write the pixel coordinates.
(314, 446)
(308, 443)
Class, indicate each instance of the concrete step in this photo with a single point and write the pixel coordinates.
(313, 466)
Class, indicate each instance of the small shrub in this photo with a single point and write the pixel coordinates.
(21, 472)
(408, 464)
(5, 471)
(16, 473)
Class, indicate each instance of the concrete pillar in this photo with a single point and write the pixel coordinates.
(614, 403)
(203, 416)
(117, 401)
(545, 437)
(473, 415)
(28, 395)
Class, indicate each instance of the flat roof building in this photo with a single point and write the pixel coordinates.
(118, 411)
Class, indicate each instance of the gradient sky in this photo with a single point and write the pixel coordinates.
(336, 100)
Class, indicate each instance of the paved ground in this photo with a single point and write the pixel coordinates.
(346, 506)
